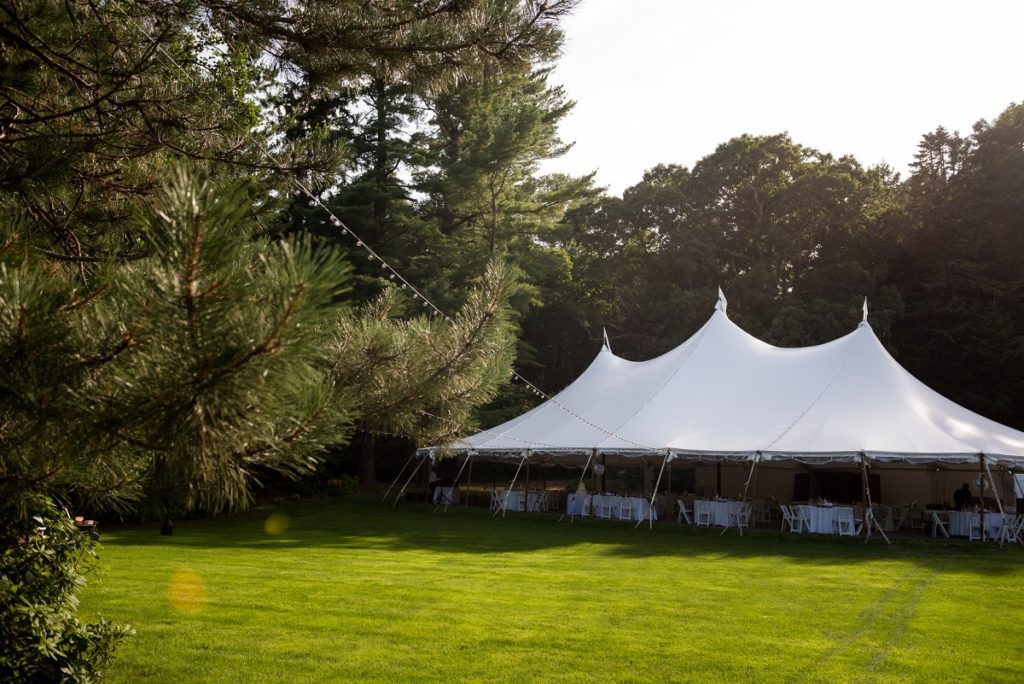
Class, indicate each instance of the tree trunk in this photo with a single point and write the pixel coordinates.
(367, 471)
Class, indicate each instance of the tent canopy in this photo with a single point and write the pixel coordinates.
(725, 395)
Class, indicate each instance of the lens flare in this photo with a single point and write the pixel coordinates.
(186, 592)
(276, 524)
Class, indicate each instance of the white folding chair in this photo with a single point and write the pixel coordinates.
(1006, 529)
(787, 517)
(683, 513)
(739, 515)
(974, 529)
(606, 511)
(845, 524)
(937, 525)
(495, 500)
(800, 520)
(702, 515)
(626, 510)
(760, 512)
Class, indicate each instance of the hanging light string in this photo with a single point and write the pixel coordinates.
(371, 254)
(314, 201)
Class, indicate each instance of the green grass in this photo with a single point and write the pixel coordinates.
(355, 590)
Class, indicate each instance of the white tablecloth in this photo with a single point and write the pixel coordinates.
(586, 504)
(719, 511)
(446, 495)
(960, 523)
(822, 518)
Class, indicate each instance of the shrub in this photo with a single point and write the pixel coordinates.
(42, 557)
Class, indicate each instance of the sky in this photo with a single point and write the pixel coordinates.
(667, 81)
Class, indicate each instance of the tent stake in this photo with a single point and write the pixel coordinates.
(572, 516)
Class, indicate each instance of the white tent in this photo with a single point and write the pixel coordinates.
(725, 395)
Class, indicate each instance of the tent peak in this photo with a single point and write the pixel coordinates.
(606, 346)
(723, 303)
(864, 318)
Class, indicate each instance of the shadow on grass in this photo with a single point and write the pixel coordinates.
(362, 522)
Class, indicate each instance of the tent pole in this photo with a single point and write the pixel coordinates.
(871, 515)
(718, 479)
(504, 504)
(999, 503)
(572, 516)
(412, 475)
(398, 476)
(746, 487)
(469, 481)
(456, 482)
(526, 493)
(864, 497)
(981, 492)
(750, 476)
(650, 512)
(604, 473)
(753, 485)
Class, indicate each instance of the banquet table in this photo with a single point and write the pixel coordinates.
(960, 523)
(821, 519)
(719, 511)
(587, 504)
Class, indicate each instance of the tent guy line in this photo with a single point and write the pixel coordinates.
(314, 201)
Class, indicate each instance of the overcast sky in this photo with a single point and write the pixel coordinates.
(666, 81)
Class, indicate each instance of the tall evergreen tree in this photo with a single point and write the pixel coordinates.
(960, 269)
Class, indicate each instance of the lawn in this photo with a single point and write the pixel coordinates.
(352, 589)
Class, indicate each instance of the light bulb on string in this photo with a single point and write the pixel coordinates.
(344, 231)
(312, 203)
